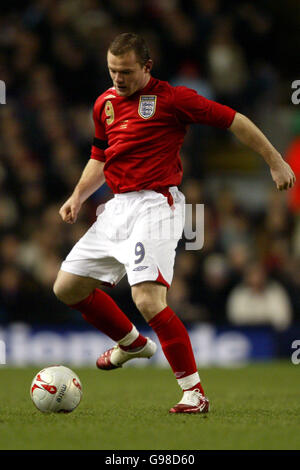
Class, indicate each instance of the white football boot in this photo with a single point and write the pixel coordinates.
(192, 402)
(115, 357)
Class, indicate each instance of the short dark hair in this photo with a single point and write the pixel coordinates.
(126, 42)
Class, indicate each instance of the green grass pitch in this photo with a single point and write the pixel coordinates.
(253, 407)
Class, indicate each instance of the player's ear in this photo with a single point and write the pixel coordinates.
(148, 65)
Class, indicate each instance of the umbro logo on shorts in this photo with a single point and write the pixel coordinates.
(140, 268)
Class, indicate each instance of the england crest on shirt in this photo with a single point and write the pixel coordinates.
(147, 106)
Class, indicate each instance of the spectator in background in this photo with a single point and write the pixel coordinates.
(291, 279)
(10, 294)
(274, 235)
(259, 301)
(179, 298)
(213, 288)
(189, 75)
(228, 71)
(238, 256)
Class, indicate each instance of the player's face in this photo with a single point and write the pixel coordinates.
(127, 74)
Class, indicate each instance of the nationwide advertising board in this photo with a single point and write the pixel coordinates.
(23, 344)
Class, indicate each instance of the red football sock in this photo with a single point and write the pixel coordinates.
(176, 345)
(101, 311)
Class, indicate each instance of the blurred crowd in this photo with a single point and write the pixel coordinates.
(53, 62)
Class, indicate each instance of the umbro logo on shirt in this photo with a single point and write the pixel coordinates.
(140, 268)
(124, 124)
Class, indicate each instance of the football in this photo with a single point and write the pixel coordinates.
(56, 389)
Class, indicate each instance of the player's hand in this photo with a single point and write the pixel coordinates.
(283, 176)
(69, 210)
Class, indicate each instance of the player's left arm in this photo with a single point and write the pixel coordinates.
(249, 134)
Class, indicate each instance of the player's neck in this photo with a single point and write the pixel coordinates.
(146, 81)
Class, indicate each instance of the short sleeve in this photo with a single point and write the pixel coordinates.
(193, 108)
(100, 143)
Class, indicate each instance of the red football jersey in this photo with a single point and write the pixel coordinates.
(139, 137)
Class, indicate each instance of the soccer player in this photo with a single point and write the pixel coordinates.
(140, 124)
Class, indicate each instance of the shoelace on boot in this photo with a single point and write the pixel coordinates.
(191, 397)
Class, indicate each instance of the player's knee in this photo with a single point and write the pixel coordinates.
(149, 306)
(64, 293)
(71, 289)
(59, 291)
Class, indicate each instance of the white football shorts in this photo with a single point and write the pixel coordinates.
(135, 233)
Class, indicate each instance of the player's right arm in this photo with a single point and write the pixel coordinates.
(93, 175)
(91, 179)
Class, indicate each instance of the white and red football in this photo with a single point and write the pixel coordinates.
(56, 389)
